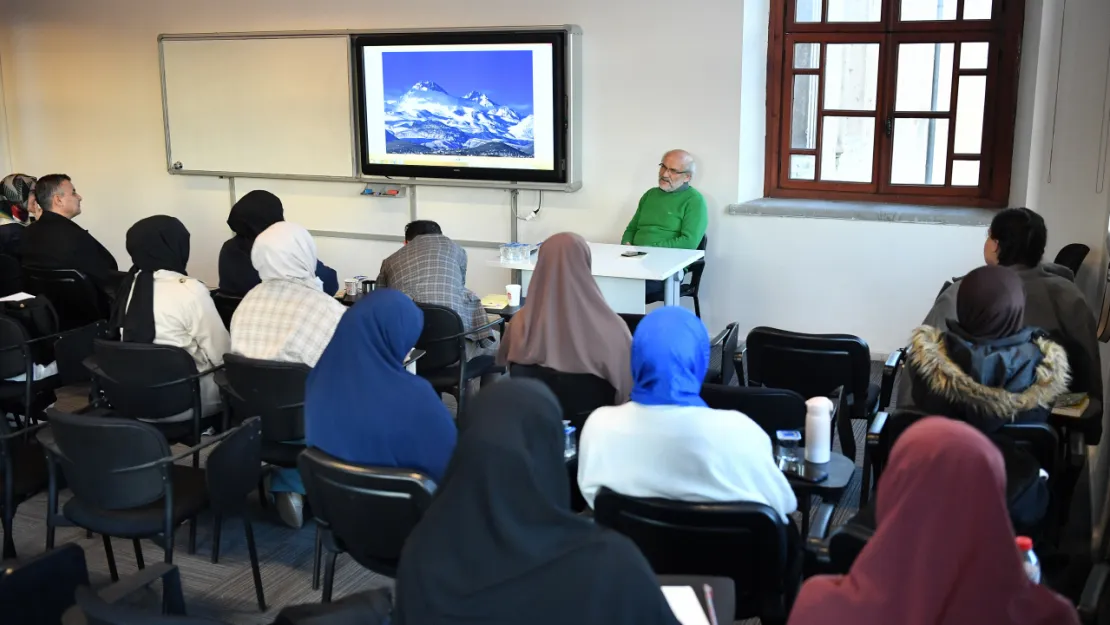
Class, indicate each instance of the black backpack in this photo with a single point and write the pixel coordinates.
(38, 317)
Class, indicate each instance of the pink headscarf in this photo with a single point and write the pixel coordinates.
(944, 552)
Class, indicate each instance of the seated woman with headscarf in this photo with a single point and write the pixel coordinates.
(251, 215)
(499, 544)
(363, 407)
(566, 324)
(944, 550)
(17, 205)
(286, 318)
(666, 442)
(158, 303)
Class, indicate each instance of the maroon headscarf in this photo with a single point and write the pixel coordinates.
(944, 552)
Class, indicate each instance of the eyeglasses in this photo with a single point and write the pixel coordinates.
(673, 172)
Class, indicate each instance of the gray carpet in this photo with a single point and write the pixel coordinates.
(225, 591)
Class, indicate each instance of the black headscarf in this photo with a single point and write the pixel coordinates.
(990, 303)
(253, 213)
(154, 243)
(500, 545)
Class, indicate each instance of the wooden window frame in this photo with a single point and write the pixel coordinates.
(1003, 31)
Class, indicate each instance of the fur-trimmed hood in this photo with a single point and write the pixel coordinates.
(934, 368)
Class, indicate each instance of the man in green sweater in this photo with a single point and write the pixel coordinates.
(670, 215)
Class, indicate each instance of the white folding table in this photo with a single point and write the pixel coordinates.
(622, 279)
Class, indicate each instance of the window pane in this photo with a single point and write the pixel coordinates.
(802, 166)
(807, 11)
(969, 114)
(977, 9)
(974, 55)
(920, 151)
(855, 10)
(847, 149)
(807, 55)
(965, 173)
(803, 115)
(851, 76)
(927, 10)
(924, 77)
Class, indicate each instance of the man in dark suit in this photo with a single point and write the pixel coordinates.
(55, 242)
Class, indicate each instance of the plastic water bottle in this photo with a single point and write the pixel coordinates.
(1029, 559)
(570, 444)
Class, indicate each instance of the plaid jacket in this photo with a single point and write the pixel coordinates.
(431, 269)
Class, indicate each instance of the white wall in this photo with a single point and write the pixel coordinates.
(82, 92)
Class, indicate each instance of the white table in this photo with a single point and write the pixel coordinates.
(622, 279)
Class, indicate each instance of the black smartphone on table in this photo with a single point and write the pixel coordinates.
(633, 253)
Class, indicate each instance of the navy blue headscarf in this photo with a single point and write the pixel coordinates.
(670, 355)
(360, 403)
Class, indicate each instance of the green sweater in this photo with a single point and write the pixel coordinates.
(677, 219)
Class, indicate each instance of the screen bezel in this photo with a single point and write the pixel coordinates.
(561, 130)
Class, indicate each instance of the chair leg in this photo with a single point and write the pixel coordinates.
(138, 553)
(9, 541)
(192, 536)
(111, 558)
(697, 307)
(316, 557)
(262, 494)
(865, 485)
(217, 525)
(329, 575)
(254, 564)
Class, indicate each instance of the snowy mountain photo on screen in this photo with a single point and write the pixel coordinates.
(459, 103)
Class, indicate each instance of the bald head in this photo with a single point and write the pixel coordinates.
(675, 170)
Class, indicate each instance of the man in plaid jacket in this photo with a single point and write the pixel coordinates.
(431, 269)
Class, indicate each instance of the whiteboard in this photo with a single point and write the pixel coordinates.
(275, 106)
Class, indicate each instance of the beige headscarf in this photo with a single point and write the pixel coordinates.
(565, 324)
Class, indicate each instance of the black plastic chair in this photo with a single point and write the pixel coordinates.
(74, 295)
(692, 288)
(579, 394)
(1072, 256)
(632, 320)
(18, 355)
(746, 542)
(344, 496)
(24, 475)
(444, 364)
(722, 353)
(11, 275)
(226, 305)
(152, 382)
(772, 408)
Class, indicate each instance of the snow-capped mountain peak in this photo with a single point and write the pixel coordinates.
(481, 98)
(427, 85)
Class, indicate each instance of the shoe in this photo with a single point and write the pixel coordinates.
(290, 508)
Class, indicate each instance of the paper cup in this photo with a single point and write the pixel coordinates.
(513, 291)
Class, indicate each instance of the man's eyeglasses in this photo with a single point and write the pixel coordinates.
(673, 172)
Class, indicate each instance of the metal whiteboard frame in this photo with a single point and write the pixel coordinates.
(574, 108)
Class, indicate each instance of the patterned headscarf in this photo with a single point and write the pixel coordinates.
(15, 190)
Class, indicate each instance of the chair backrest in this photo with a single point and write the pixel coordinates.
(92, 448)
(772, 408)
(13, 348)
(11, 275)
(1072, 256)
(439, 322)
(722, 349)
(632, 320)
(744, 541)
(97, 611)
(73, 294)
(234, 466)
(271, 390)
(127, 373)
(1040, 440)
(811, 364)
(226, 305)
(579, 394)
(41, 589)
(347, 496)
(698, 267)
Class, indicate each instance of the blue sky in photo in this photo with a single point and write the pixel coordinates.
(504, 75)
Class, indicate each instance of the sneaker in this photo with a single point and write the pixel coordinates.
(290, 508)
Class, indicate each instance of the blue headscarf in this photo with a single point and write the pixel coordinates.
(670, 355)
(360, 403)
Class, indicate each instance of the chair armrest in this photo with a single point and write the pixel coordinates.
(180, 456)
(191, 378)
(1077, 449)
(1093, 591)
(819, 527)
(58, 335)
(890, 376)
(23, 431)
(720, 338)
(500, 321)
(876, 429)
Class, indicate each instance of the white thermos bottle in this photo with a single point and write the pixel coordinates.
(818, 429)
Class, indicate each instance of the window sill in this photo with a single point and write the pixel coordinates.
(865, 211)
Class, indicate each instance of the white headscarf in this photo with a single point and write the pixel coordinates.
(286, 251)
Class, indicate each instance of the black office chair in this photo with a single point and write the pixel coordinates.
(344, 496)
(1072, 256)
(746, 542)
(579, 394)
(632, 320)
(444, 364)
(93, 609)
(688, 289)
(23, 471)
(816, 365)
(722, 351)
(273, 391)
(19, 353)
(11, 275)
(226, 305)
(152, 382)
(772, 408)
(76, 298)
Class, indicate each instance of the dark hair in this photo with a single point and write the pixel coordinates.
(1021, 236)
(419, 227)
(47, 187)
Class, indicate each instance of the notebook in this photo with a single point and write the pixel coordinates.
(1071, 405)
(500, 300)
(685, 605)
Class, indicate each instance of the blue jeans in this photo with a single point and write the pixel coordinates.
(287, 480)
